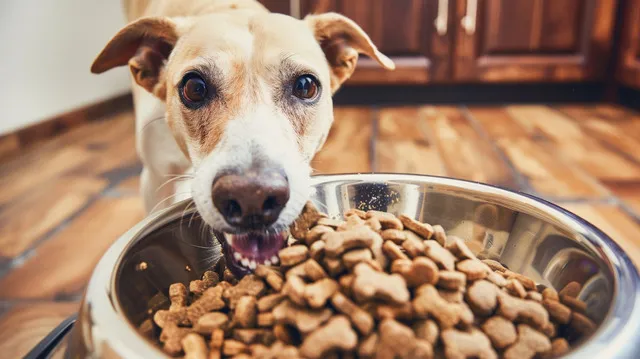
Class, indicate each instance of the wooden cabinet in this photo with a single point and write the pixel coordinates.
(403, 30)
(532, 40)
(628, 71)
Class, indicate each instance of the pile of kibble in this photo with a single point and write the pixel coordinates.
(372, 285)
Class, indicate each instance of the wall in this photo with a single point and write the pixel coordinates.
(47, 49)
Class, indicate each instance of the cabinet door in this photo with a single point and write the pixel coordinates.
(279, 6)
(532, 40)
(629, 59)
(404, 30)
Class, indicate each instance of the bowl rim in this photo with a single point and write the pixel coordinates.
(617, 336)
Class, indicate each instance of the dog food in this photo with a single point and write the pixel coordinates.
(371, 286)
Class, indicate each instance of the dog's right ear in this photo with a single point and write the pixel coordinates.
(145, 46)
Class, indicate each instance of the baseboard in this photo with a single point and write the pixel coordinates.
(13, 143)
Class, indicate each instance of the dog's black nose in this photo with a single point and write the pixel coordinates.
(251, 200)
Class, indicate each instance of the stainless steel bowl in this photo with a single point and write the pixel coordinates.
(527, 234)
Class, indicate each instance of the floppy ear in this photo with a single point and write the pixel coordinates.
(342, 40)
(144, 45)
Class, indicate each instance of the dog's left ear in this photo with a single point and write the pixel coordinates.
(342, 40)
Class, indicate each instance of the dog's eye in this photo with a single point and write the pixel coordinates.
(306, 87)
(194, 90)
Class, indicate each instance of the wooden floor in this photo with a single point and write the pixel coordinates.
(64, 201)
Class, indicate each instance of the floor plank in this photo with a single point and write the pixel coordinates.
(26, 324)
(629, 194)
(348, 146)
(402, 144)
(63, 264)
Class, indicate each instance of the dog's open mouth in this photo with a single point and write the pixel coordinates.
(244, 252)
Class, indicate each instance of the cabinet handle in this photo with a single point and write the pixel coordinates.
(469, 20)
(442, 20)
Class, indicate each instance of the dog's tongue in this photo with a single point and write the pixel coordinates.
(258, 246)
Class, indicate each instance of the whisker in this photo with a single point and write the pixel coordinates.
(170, 180)
(166, 199)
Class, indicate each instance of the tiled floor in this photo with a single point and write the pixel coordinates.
(64, 201)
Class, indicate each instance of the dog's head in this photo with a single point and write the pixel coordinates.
(248, 99)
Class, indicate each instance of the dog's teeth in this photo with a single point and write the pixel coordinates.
(229, 238)
(274, 260)
(237, 256)
(253, 264)
(245, 262)
(267, 263)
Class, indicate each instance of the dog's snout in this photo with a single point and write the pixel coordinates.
(251, 200)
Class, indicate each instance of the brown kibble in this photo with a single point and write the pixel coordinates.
(316, 233)
(451, 280)
(232, 347)
(346, 281)
(398, 341)
(550, 293)
(246, 311)
(254, 336)
(197, 287)
(530, 342)
(515, 288)
(451, 296)
(339, 242)
(336, 334)
(217, 339)
(582, 325)
(386, 219)
(210, 321)
(439, 235)
(483, 297)
(497, 279)
(414, 247)
(559, 347)
(368, 346)
(443, 258)
(316, 250)
(370, 283)
(334, 266)
(421, 270)
(473, 269)
(392, 251)
(535, 296)
(269, 302)
(575, 304)
(572, 289)
(309, 270)
(318, 293)
(522, 310)
(351, 222)
(459, 248)
(306, 320)
(394, 235)
(271, 276)
(355, 256)
(285, 334)
(494, 265)
(355, 212)
(209, 301)
(526, 282)
(228, 277)
(471, 344)
(550, 330)
(428, 302)
(171, 337)
(373, 223)
(330, 222)
(558, 312)
(250, 285)
(293, 255)
(394, 311)
(178, 296)
(164, 317)
(294, 289)
(426, 329)
(265, 320)
(194, 347)
(424, 230)
(307, 219)
(500, 331)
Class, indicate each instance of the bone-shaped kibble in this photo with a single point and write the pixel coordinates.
(355, 256)
(582, 325)
(178, 296)
(386, 219)
(494, 265)
(471, 344)
(309, 270)
(558, 312)
(483, 297)
(423, 229)
(394, 235)
(500, 331)
(254, 336)
(533, 295)
(293, 255)
(209, 301)
(451, 280)
(575, 304)
(294, 289)
(339, 242)
(473, 269)
(330, 222)
(352, 222)
(393, 251)
(426, 329)
(550, 293)
(316, 233)
(428, 302)
(316, 250)
(246, 311)
(278, 350)
(459, 249)
(368, 346)
(210, 321)
(268, 302)
(402, 312)
(398, 341)
(334, 266)
(176, 316)
(374, 224)
(421, 270)
(515, 288)
(439, 235)
(250, 285)
(306, 320)
(522, 310)
(197, 287)
(413, 246)
(362, 320)
(526, 282)
(370, 283)
(335, 335)
(355, 212)
(530, 342)
(497, 279)
(194, 347)
(317, 294)
(443, 258)
(232, 347)
(171, 337)
(307, 219)
(559, 347)
(572, 289)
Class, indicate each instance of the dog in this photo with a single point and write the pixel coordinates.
(237, 100)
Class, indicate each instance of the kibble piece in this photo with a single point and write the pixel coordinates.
(515, 288)
(351, 222)
(178, 317)
(392, 251)
(414, 247)
(396, 236)
(443, 258)
(559, 347)
(197, 287)
(194, 347)
(452, 296)
(534, 295)
(339, 242)
(423, 229)
(373, 223)
(172, 336)
(522, 310)
(530, 342)
(582, 325)
(294, 288)
(421, 270)
(269, 302)
(400, 312)
(293, 255)
(232, 347)
(178, 296)
(426, 329)
(265, 319)
(355, 212)
(355, 256)
(451, 280)
(246, 311)
(330, 222)
(210, 300)
(335, 334)
(439, 235)
(473, 269)
(307, 219)
(361, 320)
(483, 297)
(386, 219)
(334, 266)
(285, 334)
(429, 303)
(316, 233)
(550, 293)
(472, 344)
(459, 248)
(575, 304)
(306, 320)
(250, 285)
(370, 283)
(398, 341)
(497, 279)
(313, 270)
(316, 250)
(254, 336)
(572, 289)
(317, 294)
(345, 282)
(500, 331)
(210, 321)
(368, 346)
(228, 277)
(217, 339)
(494, 265)
(526, 282)
(271, 276)
(558, 312)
